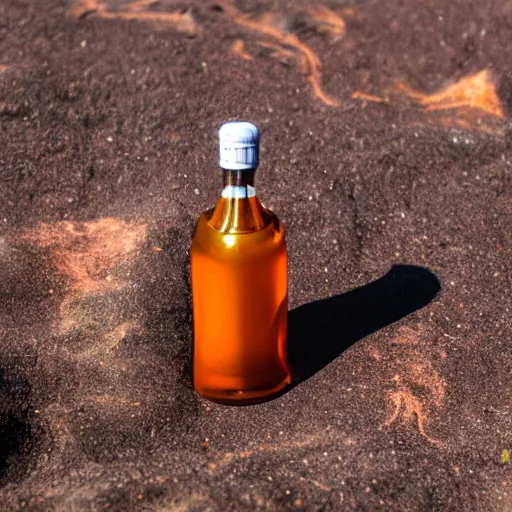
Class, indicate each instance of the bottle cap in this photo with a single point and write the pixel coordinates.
(238, 146)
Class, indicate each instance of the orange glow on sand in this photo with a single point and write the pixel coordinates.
(238, 49)
(327, 20)
(183, 21)
(476, 91)
(368, 97)
(414, 372)
(407, 407)
(283, 43)
(268, 25)
(86, 253)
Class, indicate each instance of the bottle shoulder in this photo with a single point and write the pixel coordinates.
(238, 215)
(208, 239)
(272, 224)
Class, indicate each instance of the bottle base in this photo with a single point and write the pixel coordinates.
(243, 397)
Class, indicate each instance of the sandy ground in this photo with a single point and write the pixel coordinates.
(386, 152)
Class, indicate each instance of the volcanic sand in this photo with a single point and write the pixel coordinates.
(386, 152)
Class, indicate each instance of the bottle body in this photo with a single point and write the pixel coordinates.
(240, 302)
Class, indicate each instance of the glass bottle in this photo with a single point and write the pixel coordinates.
(239, 284)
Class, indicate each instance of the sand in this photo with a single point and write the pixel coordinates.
(386, 152)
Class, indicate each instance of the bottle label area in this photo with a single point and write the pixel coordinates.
(238, 192)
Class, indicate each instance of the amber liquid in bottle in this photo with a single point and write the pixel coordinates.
(239, 290)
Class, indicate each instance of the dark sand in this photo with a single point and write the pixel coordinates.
(108, 152)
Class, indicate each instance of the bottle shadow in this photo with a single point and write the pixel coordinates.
(318, 332)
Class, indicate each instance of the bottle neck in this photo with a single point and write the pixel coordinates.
(238, 184)
(238, 210)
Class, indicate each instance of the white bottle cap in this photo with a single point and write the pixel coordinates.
(238, 146)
